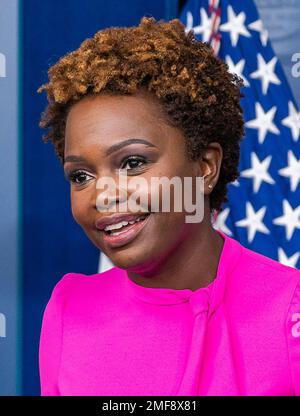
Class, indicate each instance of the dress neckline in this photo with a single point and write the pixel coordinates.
(209, 297)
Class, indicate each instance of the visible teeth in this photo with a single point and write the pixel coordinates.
(121, 224)
(121, 232)
(115, 226)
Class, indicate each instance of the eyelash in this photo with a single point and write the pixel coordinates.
(77, 173)
(135, 158)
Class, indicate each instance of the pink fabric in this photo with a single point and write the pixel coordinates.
(103, 334)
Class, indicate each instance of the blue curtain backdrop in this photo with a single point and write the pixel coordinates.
(53, 244)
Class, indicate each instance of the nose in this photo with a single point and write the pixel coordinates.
(109, 195)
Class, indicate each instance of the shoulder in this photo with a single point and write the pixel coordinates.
(261, 283)
(264, 294)
(264, 270)
(292, 330)
(74, 286)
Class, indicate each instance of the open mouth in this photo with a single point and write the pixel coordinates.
(124, 232)
(124, 226)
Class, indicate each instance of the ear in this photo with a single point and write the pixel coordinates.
(210, 164)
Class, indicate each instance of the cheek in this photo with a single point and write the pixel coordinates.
(171, 224)
(168, 231)
(78, 209)
(160, 198)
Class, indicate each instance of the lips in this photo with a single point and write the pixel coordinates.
(125, 234)
(115, 219)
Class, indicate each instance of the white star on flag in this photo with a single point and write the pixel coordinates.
(204, 28)
(263, 122)
(253, 221)
(292, 171)
(235, 183)
(292, 121)
(189, 22)
(288, 261)
(259, 27)
(290, 219)
(235, 25)
(237, 68)
(221, 220)
(266, 73)
(258, 171)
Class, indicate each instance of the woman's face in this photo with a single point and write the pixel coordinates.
(94, 126)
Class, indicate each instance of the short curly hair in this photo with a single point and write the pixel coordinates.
(197, 92)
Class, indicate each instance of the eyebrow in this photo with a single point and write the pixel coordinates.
(111, 149)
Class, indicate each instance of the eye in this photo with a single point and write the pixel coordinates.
(134, 162)
(77, 177)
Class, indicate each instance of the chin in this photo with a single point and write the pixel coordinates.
(126, 263)
(127, 259)
(134, 260)
(138, 256)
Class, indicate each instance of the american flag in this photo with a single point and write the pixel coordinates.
(263, 211)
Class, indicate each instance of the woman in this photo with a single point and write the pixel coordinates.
(186, 310)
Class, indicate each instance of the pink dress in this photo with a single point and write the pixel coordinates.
(103, 334)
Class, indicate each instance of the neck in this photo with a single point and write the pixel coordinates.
(191, 265)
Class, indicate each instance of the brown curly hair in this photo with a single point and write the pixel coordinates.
(197, 92)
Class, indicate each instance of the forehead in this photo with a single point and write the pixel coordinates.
(113, 116)
(112, 106)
